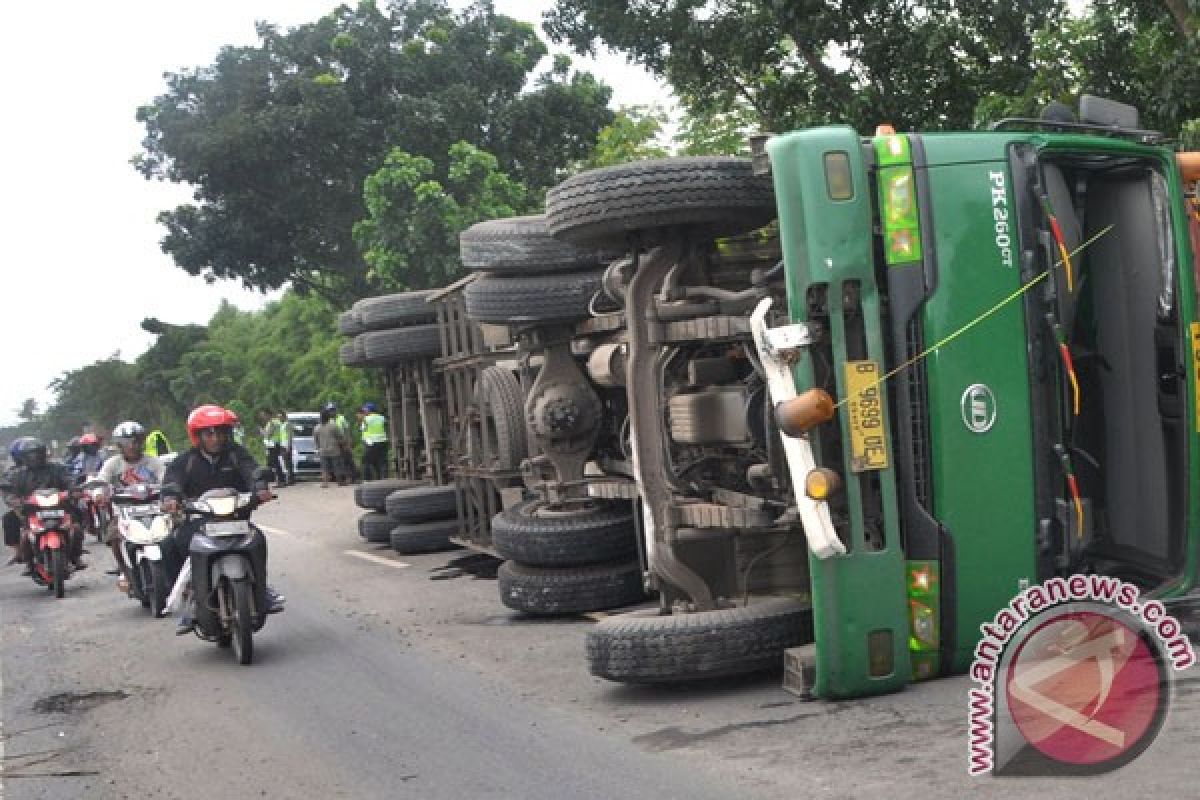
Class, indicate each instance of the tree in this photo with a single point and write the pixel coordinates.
(918, 65)
(632, 135)
(1140, 53)
(416, 212)
(277, 138)
(28, 410)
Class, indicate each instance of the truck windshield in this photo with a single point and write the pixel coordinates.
(1109, 328)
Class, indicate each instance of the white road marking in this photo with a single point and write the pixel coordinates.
(387, 562)
(273, 531)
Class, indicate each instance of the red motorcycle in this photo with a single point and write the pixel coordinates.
(50, 526)
(96, 507)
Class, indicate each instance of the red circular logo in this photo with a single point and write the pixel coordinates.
(1085, 688)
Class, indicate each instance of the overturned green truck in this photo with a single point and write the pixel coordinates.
(974, 368)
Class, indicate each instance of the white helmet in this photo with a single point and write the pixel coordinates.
(127, 431)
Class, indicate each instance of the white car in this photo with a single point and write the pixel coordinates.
(305, 458)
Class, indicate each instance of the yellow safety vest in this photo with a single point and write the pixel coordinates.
(374, 429)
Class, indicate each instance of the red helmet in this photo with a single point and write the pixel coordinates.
(209, 416)
(89, 438)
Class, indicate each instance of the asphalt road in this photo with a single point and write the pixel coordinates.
(391, 677)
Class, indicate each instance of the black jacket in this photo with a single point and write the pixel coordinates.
(193, 473)
(51, 475)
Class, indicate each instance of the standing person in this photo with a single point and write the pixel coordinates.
(348, 463)
(131, 466)
(285, 446)
(214, 462)
(272, 437)
(375, 443)
(331, 442)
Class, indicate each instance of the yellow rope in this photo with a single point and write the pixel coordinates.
(945, 341)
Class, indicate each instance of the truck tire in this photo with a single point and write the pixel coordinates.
(536, 590)
(501, 405)
(402, 344)
(348, 355)
(523, 245)
(564, 297)
(424, 537)
(420, 503)
(535, 536)
(372, 495)
(718, 195)
(647, 647)
(394, 310)
(349, 324)
(376, 527)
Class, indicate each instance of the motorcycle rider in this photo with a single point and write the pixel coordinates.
(36, 472)
(89, 461)
(214, 462)
(130, 467)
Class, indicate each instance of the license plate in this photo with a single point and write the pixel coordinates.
(864, 407)
(233, 528)
(152, 552)
(51, 514)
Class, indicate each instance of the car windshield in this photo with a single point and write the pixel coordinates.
(303, 426)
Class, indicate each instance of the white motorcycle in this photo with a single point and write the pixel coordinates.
(143, 527)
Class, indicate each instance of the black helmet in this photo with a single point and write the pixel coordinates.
(27, 452)
(73, 447)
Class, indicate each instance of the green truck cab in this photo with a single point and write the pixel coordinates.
(1006, 322)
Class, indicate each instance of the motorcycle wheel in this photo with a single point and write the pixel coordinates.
(58, 569)
(158, 592)
(243, 623)
(154, 587)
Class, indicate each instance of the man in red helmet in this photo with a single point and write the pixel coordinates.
(215, 462)
(89, 461)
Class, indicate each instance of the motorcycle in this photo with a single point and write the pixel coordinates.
(96, 507)
(50, 526)
(227, 567)
(143, 527)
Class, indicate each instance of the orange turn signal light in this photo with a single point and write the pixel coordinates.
(822, 483)
(1189, 165)
(804, 412)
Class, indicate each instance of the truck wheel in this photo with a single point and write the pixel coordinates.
(534, 535)
(523, 245)
(373, 495)
(502, 422)
(349, 323)
(421, 503)
(376, 527)
(401, 344)
(348, 355)
(424, 537)
(565, 297)
(573, 590)
(717, 195)
(394, 310)
(647, 647)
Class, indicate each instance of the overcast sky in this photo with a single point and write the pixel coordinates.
(81, 263)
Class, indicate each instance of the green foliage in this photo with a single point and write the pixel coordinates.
(283, 357)
(416, 212)
(719, 133)
(277, 138)
(918, 65)
(631, 136)
(1132, 52)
